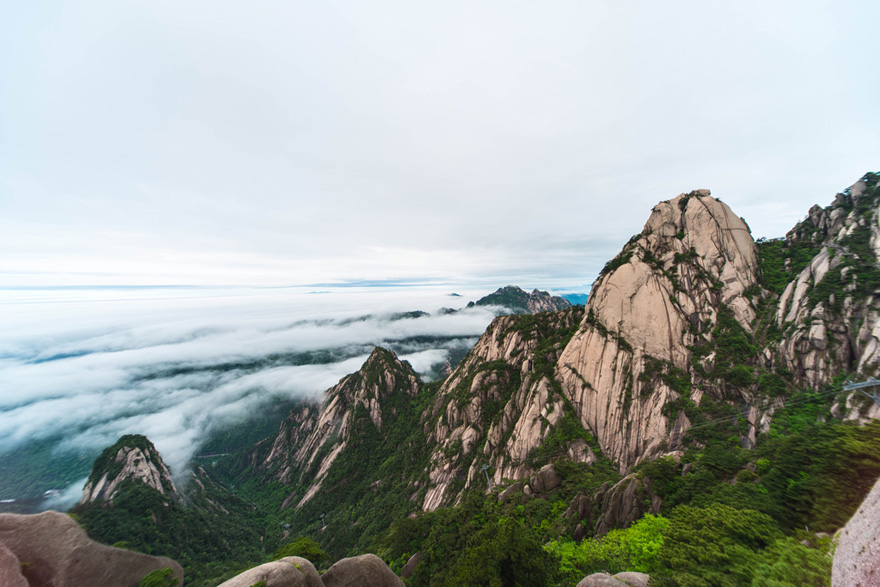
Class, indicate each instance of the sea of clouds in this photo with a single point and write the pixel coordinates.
(82, 367)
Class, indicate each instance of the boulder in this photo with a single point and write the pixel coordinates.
(290, 571)
(367, 570)
(547, 479)
(580, 507)
(58, 553)
(855, 559)
(600, 580)
(624, 503)
(505, 495)
(627, 579)
(633, 579)
(410, 566)
(10, 569)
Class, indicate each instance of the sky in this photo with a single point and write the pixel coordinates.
(279, 142)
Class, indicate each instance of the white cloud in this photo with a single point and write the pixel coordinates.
(179, 380)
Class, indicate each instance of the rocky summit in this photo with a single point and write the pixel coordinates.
(521, 302)
(133, 459)
(694, 401)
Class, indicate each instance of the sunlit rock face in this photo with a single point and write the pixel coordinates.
(312, 437)
(132, 459)
(499, 406)
(655, 301)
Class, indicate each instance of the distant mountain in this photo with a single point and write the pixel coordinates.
(522, 302)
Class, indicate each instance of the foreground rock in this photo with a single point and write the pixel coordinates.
(290, 571)
(627, 579)
(10, 569)
(58, 553)
(856, 560)
(367, 570)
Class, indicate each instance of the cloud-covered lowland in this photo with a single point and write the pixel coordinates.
(291, 142)
(81, 368)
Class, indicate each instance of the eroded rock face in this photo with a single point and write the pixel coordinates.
(616, 506)
(290, 571)
(830, 333)
(58, 553)
(367, 570)
(624, 503)
(314, 436)
(659, 296)
(132, 458)
(500, 404)
(855, 559)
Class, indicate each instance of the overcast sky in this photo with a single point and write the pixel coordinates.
(281, 142)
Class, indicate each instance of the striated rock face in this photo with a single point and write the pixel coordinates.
(829, 312)
(312, 437)
(500, 406)
(58, 553)
(132, 459)
(656, 299)
(521, 302)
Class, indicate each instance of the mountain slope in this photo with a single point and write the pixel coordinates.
(829, 311)
(133, 459)
(501, 406)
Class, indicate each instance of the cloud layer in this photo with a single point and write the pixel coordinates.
(180, 369)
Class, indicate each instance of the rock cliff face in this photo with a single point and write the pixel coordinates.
(829, 312)
(653, 303)
(501, 405)
(132, 459)
(311, 438)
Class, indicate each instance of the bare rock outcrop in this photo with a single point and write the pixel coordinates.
(547, 479)
(652, 303)
(10, 569)
(367, 570)
(627, 579)
(312, 437)
(615, 506)
(58, 553)
(858, 543)
(829, 311)
(132, 459)
(410, 566)
(500, 405)
(290, 571)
